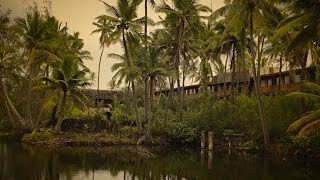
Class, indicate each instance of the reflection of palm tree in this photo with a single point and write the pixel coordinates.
(5, 163)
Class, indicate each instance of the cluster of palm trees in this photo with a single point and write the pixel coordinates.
(42, 64)
(194, 42)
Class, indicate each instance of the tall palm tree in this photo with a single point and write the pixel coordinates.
(124, 18)
(183, 22)
(146, 81)
(129, 72)
(38, 40)
(254, 16)
(105, 28)
(67, 76)
(8, 64)
(152, 67)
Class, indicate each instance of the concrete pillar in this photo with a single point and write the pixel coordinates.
(203, 139)
(210, 140)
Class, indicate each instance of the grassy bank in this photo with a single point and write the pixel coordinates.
(69, 139)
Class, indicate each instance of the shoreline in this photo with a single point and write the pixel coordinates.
(77, 140)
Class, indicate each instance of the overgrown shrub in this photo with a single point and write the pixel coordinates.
(38, 135)
(175, 132)
(128, 130)
(94, 114)
(242, 115)
(304, 143)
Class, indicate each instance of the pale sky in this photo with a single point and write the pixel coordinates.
(79, 14)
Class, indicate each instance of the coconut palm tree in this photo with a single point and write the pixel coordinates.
(34, 29)
(127, 71)
(124, 18)
(105, 28)
(67, 76)
(8, 64)
(39, 41)
(152, 67)
(183, 23)
(254, 17)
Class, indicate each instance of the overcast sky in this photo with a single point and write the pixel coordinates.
(79, 14)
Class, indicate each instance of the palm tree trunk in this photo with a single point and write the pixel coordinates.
(152, 78)
(261, 110)
(243, 61)
(177, 66)
(146, 24)
(136, 108)
(180, 100)
(9, 114)
(29, 96)
(238, 75)
(147, 97)
(132, 83)
(146, 105)
(280, 71)
(233, 71)
(225, 77)
(63, 98)
(183, 82)
(150, 106)
(99, 67)
(169, 99)
(11, 107)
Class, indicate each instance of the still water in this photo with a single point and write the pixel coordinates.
(23, 162)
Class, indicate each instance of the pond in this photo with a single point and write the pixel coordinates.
(18, 161)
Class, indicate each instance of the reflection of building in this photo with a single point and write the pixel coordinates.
(270, 83)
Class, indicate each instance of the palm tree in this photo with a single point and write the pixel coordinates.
(105, 28)
(310, 123)
(152, 67)
(38, 40)
(124, 18)
(183, 22)
(146, 81)
(129, 72)
(67, 76)
(304, 20)
(8, 64)
(255, 16)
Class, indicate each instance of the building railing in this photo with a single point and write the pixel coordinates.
(269, 85)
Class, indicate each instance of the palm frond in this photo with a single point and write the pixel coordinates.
(310, 128)
(298, 124)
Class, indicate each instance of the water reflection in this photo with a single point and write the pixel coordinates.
(35, 163)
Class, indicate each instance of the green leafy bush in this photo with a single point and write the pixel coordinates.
(89, 114)
(306, 142)
(128, 130)
(175, 132)
(38, 135)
